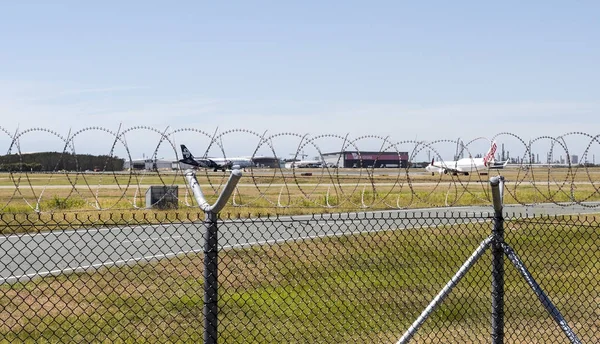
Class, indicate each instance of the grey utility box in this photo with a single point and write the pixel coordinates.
(162, 197)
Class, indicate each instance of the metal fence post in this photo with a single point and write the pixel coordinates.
(211, 283)
(497, 184)
(211, 250)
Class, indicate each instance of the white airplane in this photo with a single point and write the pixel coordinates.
(242, 162)
(305, 164)
(467, 165)
(213, 163)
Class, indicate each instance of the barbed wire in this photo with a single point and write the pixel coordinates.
(331, 180)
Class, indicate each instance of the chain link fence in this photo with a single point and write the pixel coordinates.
(329, 278)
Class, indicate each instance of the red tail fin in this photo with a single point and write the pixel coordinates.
(489, 157)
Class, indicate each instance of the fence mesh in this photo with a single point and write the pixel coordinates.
(328, 278)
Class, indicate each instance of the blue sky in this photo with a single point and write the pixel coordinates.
(425, 70)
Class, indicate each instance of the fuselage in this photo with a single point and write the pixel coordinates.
(467, 164)
(304, 163)
(464, 165)
(239, 161)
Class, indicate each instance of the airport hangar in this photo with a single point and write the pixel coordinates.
(357, 159)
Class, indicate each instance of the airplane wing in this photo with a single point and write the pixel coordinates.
(498, 165)
(220, 163)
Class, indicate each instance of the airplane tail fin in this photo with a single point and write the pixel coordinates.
(489, 156)
(188, 158)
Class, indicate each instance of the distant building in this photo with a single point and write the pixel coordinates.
(265, 161)
(574, 159)
(350, 159)
(147, 164)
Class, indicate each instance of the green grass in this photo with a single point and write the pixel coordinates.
(111, 192)
(63, 209)
(359, 288)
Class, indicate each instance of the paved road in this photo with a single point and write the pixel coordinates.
(26, 256)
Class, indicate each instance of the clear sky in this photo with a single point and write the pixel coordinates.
(421, 69)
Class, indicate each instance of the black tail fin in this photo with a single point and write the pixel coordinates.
(188, 158)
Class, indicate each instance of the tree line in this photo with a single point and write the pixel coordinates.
(54, 161)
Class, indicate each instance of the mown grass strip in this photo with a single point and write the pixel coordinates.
(358, 288)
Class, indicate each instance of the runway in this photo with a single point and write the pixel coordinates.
(27, 256)
(462, 183)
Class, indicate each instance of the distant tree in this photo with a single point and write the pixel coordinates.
(54, 161)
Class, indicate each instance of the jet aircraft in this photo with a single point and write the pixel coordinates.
(467, 165)
(214, 164)
(305, 164)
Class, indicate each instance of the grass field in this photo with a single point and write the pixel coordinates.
(106, 200)
(359, 288)
(362, 288)
(66, 209)
(276, 192)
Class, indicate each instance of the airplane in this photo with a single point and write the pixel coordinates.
(304, 164)
(467, 165)
(215, 164)
(241, 162)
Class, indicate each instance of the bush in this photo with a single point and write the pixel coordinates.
(64, 203)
